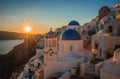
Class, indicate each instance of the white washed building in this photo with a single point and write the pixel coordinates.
(111, 70)
(61, 55)
(104, 42)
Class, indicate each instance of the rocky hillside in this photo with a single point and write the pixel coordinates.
(17, 57)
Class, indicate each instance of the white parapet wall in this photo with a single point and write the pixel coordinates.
(68, 74)
(59, 66)
(100, 65)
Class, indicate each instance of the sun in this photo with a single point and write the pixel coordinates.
(27, 29)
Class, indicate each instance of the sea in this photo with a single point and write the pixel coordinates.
(8, 45)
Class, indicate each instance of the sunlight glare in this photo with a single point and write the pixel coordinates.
(27, 29)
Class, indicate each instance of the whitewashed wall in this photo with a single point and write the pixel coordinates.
(65, 47)
(105, 43)
(52, 67)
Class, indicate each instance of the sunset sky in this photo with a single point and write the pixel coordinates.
(41, 15)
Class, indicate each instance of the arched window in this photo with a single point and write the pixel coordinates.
(87, 37)
(88, 27)
(109, 18)
(74, 28)
(102, 27)
(110, 29)
(50, 46)
(49, 43)
(96, 45)
(71, 48)
(50, 52)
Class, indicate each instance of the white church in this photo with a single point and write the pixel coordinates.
(62, 54)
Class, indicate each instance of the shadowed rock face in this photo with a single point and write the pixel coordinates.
(15, 58)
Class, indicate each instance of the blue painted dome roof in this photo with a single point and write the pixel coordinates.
(70, 34)
(73, 23)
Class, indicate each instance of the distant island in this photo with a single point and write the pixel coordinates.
(5, 35)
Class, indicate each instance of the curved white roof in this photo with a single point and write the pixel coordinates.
(74, 56)
(70, 57)
(112, 68)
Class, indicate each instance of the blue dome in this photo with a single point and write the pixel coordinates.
(71, 34)
(73, 23)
